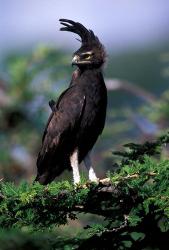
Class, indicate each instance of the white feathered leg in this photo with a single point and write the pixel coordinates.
(75, 166)
(88, 164)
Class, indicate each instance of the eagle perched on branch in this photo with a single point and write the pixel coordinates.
(78, 117)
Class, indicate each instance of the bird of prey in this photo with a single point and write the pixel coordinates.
(78, 116)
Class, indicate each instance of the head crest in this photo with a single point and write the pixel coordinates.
(87, 36)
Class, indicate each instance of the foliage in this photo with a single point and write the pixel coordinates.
(134, 202)
(138, 151)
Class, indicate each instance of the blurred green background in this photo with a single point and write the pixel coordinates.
(35, 66)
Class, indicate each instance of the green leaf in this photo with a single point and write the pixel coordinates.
(127, 243)
(163, 224)
(137, 236)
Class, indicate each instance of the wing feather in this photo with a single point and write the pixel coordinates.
(62, 122)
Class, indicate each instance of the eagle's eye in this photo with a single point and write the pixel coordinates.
(87, 55)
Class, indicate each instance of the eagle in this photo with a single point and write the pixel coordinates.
(78, 116)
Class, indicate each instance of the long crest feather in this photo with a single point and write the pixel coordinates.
(87, 36)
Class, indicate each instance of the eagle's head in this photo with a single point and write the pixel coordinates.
(91, 53)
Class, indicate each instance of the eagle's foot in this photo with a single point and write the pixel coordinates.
(76, 181)
(92, 176)
(105, 181)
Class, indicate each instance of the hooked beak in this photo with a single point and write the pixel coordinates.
(75, 60)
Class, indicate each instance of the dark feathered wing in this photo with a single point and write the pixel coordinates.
(60, 130)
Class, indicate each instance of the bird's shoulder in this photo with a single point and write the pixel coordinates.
(70, 97)
(66, 112)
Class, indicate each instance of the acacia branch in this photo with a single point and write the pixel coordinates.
(105, 199)
(54, 204)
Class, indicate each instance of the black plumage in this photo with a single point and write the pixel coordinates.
(78, 116)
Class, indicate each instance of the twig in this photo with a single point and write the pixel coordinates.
(117, 229)
(116, 84)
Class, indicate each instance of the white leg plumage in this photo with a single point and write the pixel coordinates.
(75, 167)
(88, 164)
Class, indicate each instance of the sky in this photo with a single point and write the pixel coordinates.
(120, 24)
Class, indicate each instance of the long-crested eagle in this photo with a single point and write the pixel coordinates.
(78, 116)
